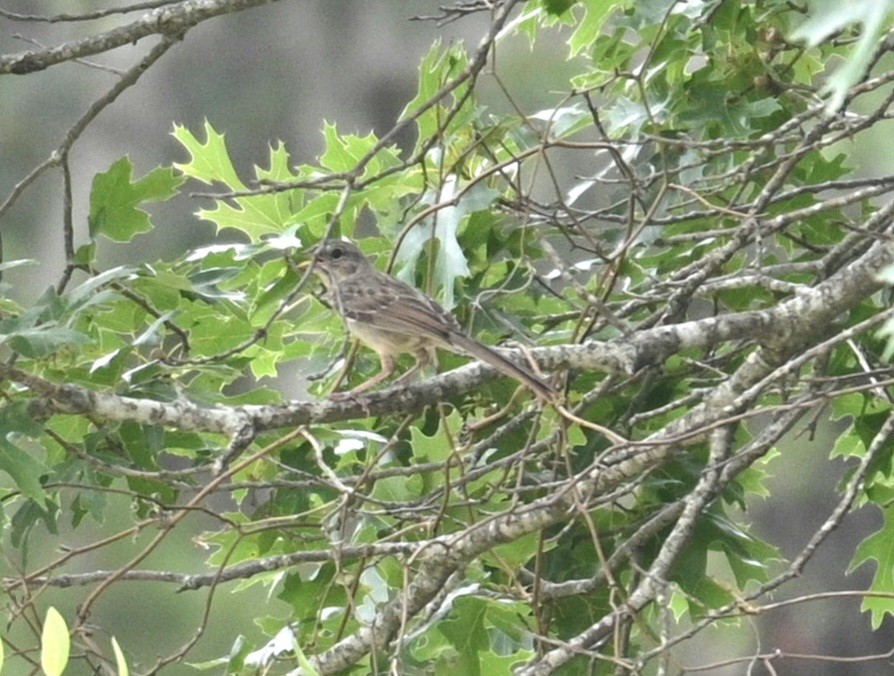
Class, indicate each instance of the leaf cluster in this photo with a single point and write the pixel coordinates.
(686, 200)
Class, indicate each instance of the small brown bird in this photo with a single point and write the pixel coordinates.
(392, 317)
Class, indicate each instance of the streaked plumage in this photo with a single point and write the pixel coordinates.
(392, 317)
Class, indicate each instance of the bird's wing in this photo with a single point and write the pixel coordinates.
(395, 306)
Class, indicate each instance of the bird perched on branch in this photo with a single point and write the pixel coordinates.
(392, 317)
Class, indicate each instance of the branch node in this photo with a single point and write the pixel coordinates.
(242, 437)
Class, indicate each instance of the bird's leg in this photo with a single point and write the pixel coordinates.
(423, 359)
(388, 367)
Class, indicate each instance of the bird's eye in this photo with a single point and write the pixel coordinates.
(336, 253)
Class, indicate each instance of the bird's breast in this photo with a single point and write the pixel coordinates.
(385, 341)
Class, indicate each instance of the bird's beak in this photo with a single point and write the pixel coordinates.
(296, 264)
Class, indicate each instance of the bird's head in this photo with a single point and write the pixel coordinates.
(336, 259)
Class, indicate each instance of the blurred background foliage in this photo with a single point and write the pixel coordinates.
(319, 76)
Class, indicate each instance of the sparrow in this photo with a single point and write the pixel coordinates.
(392, 318)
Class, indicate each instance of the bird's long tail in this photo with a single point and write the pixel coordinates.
(504, 365)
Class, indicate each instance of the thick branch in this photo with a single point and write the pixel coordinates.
(168, 20)
(809, 313)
